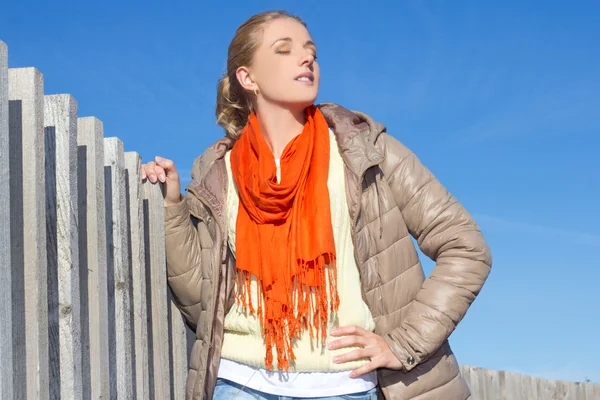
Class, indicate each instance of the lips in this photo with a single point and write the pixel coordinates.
(306, 77)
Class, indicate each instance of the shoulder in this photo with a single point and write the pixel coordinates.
(348, 123)
(205, 162)
(358, 130)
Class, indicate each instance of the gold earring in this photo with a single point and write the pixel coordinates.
(255, 92)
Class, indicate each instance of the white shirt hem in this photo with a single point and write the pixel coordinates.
(296, 384)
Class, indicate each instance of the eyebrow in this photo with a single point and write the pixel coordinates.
(309, 43)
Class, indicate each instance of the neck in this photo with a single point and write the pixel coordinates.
(279, 126)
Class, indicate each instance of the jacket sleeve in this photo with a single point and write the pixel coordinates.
(183, 255)
(447, 234)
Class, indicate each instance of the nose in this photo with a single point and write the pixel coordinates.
(307, 60)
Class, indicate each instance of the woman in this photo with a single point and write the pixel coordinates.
(291, 255)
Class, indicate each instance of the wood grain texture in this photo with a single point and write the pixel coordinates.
(528, 391)
(90, 143)
(491, 384)
(60, 133)
(179, 355)
(119, 266)
(475, 375)
(6, 339)
(133, 165)
(592, 391)
(546, 390)
(154, 241)
(26, 109)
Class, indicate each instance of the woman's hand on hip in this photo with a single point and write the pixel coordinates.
(372, 346)
(163, 170)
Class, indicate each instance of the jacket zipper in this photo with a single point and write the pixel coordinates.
(354, 220)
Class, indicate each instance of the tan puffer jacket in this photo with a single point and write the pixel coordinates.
(391, 197)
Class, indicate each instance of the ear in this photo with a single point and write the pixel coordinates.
(245, 80)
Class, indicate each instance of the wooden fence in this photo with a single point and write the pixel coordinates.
(488, 384)
(85, 309)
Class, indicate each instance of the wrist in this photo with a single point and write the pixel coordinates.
(173, 202)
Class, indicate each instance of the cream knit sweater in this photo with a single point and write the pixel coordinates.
(243, 341)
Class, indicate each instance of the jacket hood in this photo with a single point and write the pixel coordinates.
(348, 124)
(357, 135)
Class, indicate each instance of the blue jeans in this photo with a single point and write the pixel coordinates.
(227, 390)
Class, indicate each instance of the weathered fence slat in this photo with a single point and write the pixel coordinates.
(178, 350)
(154, 228)
(90, 143)
(133, 165)
(28, 213)
(60, 133)
(546, 389)
(578, 390)
(119, 267)
(526, 384)
(488, 384)
(502, 384)
(7, 372)
(476, 389)
(560, 390)
(592, 392)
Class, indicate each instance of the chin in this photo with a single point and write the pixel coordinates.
(304, 101)
(298, 101)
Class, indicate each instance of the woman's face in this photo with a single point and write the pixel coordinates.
(284, 69)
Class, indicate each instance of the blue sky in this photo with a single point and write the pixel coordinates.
(496, 99)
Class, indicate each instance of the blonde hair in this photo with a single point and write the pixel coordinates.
(233, 102)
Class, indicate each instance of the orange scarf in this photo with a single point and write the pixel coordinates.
(284, 235)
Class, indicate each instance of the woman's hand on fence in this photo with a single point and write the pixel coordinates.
(163, 170)
(372, 346)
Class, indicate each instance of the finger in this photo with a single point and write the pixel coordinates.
(165, 163)
(349, 330)
(365, 369)
(348, 341)
(151, 172)
(358, 354)
(146, 169)
(160, 173)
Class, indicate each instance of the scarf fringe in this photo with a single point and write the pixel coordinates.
(306, 307)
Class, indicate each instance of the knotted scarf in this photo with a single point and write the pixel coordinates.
(284, 236)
